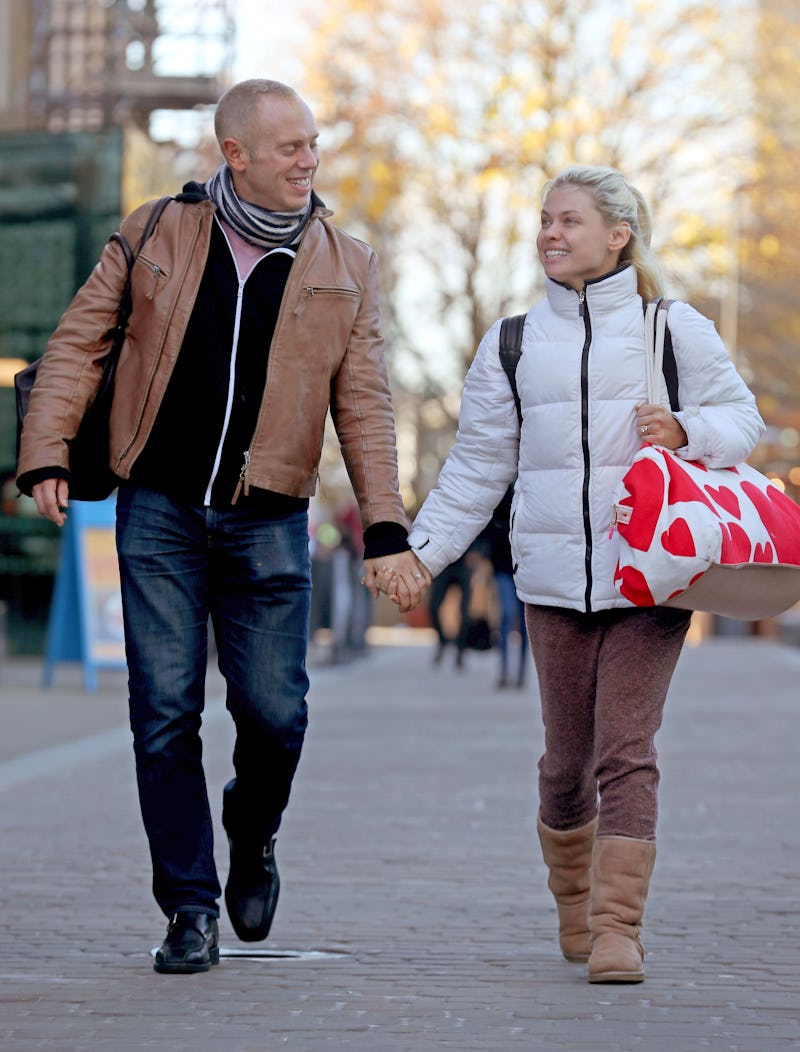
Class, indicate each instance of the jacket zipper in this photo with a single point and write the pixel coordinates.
(237, 319)
(310, 291)
(242, 477)
(157, 273)
(587, 522)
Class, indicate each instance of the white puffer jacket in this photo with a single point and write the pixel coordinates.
(580, 377)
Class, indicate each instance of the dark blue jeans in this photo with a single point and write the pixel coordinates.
(512, 615)
(180, 564)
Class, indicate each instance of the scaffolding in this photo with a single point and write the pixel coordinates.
(104, 63)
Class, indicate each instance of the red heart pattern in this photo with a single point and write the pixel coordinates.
(678, 539)
(686, 517)
(726, 499)
(646, 486)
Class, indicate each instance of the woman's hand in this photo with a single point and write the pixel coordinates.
(402, 577)
(659, 427)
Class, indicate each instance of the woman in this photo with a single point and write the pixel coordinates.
(603, 665)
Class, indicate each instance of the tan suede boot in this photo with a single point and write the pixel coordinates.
(568, 856)
(621, 870)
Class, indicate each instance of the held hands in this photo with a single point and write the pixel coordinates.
(659, 427)
(402, 577)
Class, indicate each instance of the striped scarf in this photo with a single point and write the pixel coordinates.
(259, 226)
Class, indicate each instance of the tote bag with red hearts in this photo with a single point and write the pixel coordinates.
(725, 540)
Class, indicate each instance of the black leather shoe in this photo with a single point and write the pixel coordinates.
(191, 945)
(251, 893)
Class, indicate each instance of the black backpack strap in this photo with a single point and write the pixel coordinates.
(25, 378)
(510, 350)
(126, 302)
(669, 366)
(152, 219)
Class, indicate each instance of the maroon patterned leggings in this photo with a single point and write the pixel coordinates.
(603, 680)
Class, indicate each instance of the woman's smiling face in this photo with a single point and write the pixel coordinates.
(575, 244)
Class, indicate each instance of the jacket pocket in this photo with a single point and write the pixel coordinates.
(309, 291)
(327, 315)
(156, 272)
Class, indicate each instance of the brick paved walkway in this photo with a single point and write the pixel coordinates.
(413, 898)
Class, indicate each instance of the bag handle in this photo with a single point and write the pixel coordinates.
(117, 332)
(655, 328)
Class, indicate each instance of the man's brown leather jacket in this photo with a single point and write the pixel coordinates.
(327, 351)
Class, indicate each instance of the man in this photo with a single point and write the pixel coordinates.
(252, 316)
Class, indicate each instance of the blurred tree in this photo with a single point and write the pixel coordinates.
(441, 120)
(153, 169)
(767, 219)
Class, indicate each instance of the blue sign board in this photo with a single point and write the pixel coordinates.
(86, 612)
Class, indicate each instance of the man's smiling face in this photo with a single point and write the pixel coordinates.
(275, 167)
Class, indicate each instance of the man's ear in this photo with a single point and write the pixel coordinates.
(235, 154)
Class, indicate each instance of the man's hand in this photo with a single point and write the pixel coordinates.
(52, 498)
(402, 577)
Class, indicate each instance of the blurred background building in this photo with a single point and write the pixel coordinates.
(80, 83)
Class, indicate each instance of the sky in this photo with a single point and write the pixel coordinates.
(269, 36)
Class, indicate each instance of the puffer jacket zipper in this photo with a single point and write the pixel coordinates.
(583, 309)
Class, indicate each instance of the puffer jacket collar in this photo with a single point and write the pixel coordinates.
(603, 294)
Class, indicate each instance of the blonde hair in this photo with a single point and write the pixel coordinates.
(238, 107)
(619, 202)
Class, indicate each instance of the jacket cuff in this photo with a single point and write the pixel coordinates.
(29, 479)
(385, 538)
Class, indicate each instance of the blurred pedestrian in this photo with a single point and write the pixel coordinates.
(457, 575)
(352, 605)
(511, 631)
